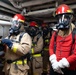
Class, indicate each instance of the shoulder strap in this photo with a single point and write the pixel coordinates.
(21, 35)
(38, 36)
(73, 35)
(55, 36)
(73, 39)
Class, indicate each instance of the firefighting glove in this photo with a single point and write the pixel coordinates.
(56, 68)
(8, 42)
(64, 63)
(52, 58)
(55, 64)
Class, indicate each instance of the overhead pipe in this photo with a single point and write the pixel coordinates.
(35, 13)
(44, 12)
(29, 3)
(8, 6)
(40, 12)
(15, 5)
(5, 23)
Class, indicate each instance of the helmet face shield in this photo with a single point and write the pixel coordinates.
(64, 21)
(64, 16)
(15, 25)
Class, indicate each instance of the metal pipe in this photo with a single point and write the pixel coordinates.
(5, 22)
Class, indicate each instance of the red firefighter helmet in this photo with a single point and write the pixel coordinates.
(19, 17)
(33, 24)
(63, 8)
(17, 21)
(44, 24)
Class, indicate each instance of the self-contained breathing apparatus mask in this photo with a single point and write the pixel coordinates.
(45, 31)
(15, 28)
(64, 21)
(32, 31)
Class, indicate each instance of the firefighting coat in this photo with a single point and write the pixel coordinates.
(64, 48)
(18, 49)
(37, 54)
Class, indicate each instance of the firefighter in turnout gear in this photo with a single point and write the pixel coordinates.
(62, 48)
(36, 50)
(18, 46)
(46, 37)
